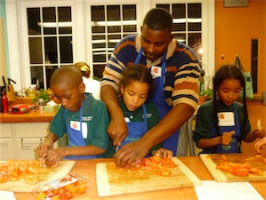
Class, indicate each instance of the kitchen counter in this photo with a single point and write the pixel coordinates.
(87, 169)
(32, 116)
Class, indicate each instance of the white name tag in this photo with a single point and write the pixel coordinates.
(127, 120)
(156, 72)
(76, 125)
(226, 119)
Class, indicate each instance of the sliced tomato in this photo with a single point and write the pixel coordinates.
(31, 179)
(242, 172)
(255, 170)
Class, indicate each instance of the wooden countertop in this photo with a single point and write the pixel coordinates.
(33, 116)
(87, 169)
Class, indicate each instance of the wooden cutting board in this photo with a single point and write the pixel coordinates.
(210, 161)
(21, 186)
(122, 182)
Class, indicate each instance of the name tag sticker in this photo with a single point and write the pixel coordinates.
(156, 72)
(226, 119)
(127, 120)
(76, 125)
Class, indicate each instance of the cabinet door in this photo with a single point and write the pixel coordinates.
(6, 149)
(5, 130)
(30, 130)
(25, 147)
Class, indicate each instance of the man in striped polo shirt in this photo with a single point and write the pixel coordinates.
(175, 70)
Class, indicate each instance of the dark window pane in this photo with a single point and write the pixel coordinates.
(64, 14)
(114, 37)
(99, 58)
(33, 17)
(50, 46)
(66, 52)
(65, 30)
(99, 45)
(35, 45)
(129, 12)
(194, 41)
(98, 29)
(113, 13)
(98, 37)
(179, 11)
(97, 13)
(181, 37)
(165, 6)
(49, 31)
(49, 70)
(194, 10)
(194, 26)
(114, 29)
(130, 28)
(111, 44)
(49, 14)
(98, 71)
(179, 27)
(37, 74)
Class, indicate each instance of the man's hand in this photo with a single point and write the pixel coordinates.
(226, 137)
(131, 152)
(117, 130)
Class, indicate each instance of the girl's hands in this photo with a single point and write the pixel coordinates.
(226, 138)
(259, 144)
(259, 133)
(162, 152)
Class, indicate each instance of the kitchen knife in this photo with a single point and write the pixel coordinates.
(11, 80)
(4, 81)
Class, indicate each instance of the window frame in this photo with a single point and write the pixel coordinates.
(82, 45)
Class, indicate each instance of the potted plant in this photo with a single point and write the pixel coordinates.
(41, 99)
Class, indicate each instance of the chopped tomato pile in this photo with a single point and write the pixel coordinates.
(162, 166)
(64, 189)
(15, 170)
(241, 169)
(155, 162)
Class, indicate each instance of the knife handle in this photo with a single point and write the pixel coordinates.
(4, 81)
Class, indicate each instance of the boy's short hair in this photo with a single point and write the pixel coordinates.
(68, 74)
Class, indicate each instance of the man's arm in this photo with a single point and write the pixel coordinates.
(167, 126)
(117, 128)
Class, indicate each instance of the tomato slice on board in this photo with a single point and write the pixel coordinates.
(31, 179)
(240, 172)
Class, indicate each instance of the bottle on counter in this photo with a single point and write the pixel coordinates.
(4, 102)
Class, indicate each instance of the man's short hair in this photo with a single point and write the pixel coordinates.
(158, 19)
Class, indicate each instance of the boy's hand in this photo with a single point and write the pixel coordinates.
(226, 137)
(163, 153)
(43, 149)
(54, 155)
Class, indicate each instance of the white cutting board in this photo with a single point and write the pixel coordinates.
(21, 186)
(180, 177)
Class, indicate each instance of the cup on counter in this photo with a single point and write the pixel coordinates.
(41, 103)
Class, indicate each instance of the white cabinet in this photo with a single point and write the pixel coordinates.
(25, 147)
(6, 142)
(6, 149)
(18, 140)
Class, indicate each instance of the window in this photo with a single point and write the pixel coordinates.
(54, 33)
(109, 24)
(50, 41)
(186, 24)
